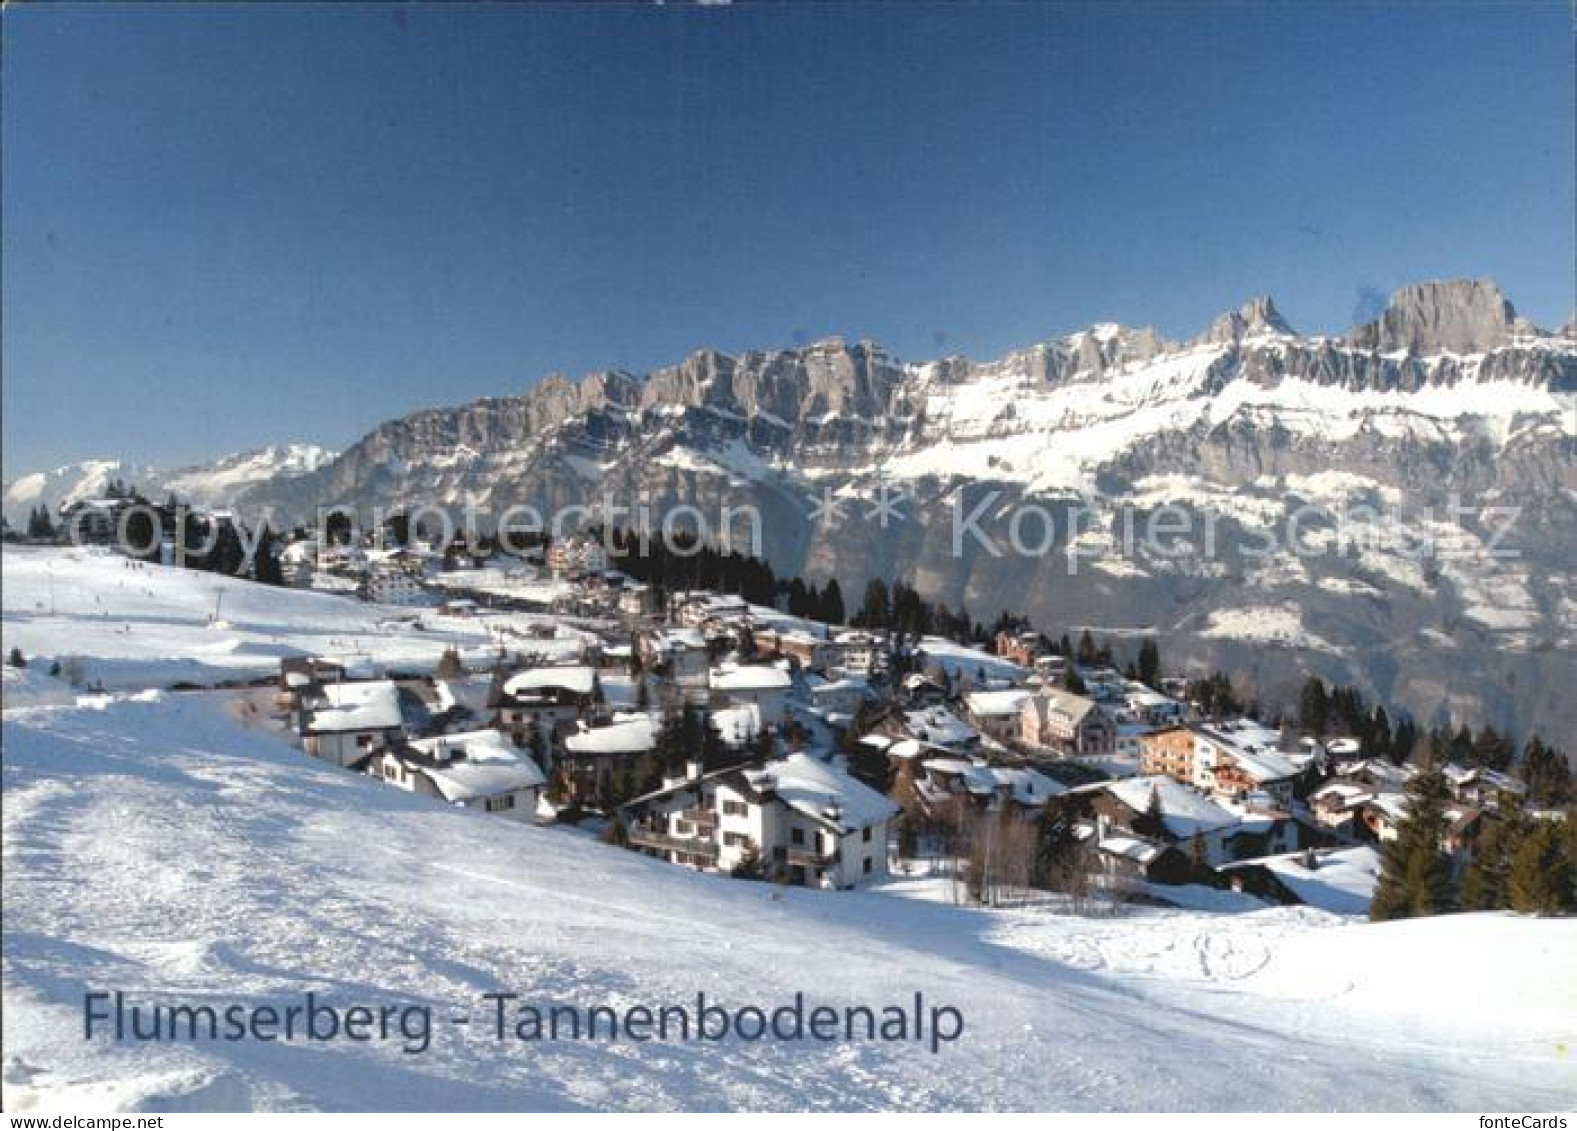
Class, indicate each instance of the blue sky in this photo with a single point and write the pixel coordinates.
(228, 226)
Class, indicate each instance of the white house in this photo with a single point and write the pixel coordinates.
(477, 769)
(345, 722)
(766, 686)
(997, 713)
(802, 820)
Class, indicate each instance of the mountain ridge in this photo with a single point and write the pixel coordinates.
(1245, 423)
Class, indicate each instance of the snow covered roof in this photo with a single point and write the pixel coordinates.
(1029, 787)
(939, 726)
(356, 707)
(995, 703)
(737, 725)
(750, 677)
(577, 679)
(1265, 765)
(823, 792)
(1184, 811)
(1130, 847)
(628, 734)
(480, 763)
(678, 639)
(1342, 880)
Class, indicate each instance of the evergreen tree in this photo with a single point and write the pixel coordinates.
(1313, 706)
(1486, 883)
(1149, 666)
(1541, 872)
(1493, 750)
(1152, 822)
(1547, 773)
(265, 566)
(1415, 872)
(832, 611)
(876, 611)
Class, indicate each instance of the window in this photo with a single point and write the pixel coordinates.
(735, 809)
(866, 834)
(498, 804)
(735, 840)
(796, 836)
(364, 740)
(867, 865)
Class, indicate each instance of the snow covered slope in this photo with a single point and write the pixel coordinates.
(153, 845)
(133, 626)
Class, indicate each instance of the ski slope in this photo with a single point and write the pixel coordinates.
(153, 844)
(133, 626)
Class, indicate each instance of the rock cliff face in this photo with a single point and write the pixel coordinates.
(1460, 316)
(1319, 474)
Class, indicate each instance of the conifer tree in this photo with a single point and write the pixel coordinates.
(1486, 883)
(1541, 872)
(1415, 872)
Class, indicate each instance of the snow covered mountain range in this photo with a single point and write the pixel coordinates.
(212, 484)
(1316, 473)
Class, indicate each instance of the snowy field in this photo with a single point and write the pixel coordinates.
(133, 626)
(153, 845)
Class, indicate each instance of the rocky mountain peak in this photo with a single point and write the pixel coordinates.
(1454, 316)
(1255, 318)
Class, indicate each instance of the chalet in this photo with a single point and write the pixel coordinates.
(813, 652)
(1235, 759)
(677, 653)
(1021, 648)
(1141, 704)
(1341, 880)
(1068, 723)
(343, 723)
(838, 698)
(477, 769)
(946, 786)
(1172, 813)
(694, 609)
(298, 675)
(796, 819)
(1337, 803)
(1483, 787)
(939, 728)
(1381, 817)
(540, 700)
(765, 686)
(592, 755)
(1125, 859)
(996, 713)
(861, 652)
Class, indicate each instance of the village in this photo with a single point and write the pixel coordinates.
(765, 739)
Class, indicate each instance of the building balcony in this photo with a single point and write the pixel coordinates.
(666, 842)
(807, 857)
